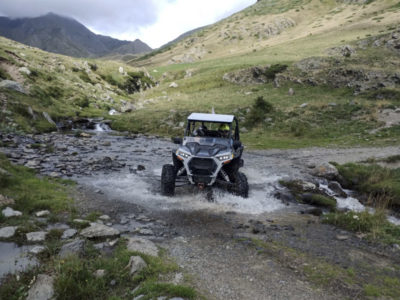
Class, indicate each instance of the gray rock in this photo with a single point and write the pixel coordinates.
(337, 189)
(136, 264)
(42, 213)
(142, 245)
(69, 233)
(38, 236)
(24, 70)
(99, 273)
(37, 250)
(304, 105)
(291, 92)
(12, 85)
(325, 170)
(104, 218)
(42, 289)
(145, 231)
(173, 85)
(76, 247)
(8, 212)
(96, 230)
(7, 232)
(138, 297)
(341, 237)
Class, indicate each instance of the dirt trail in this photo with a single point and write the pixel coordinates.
(255, 248)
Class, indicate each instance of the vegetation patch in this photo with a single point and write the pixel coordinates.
(381, 185)
(32, 193)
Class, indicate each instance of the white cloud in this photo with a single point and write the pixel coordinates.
(155, 22)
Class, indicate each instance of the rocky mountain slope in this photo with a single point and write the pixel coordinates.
(67, 36)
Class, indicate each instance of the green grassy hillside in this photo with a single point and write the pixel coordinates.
(338, 85)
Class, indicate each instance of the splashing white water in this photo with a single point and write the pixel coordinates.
(101, 127)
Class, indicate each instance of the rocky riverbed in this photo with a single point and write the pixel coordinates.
(212, 241)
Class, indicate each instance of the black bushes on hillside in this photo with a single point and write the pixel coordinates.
(259, 111)
(136, 82)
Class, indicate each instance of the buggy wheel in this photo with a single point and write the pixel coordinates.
(240, 185)
(168, 175)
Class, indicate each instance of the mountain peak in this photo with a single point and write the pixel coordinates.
(65, 35)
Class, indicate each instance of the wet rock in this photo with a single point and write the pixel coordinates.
(8, 212)
(42, 213)
(142, 245)
(337, 189)
(69, 233)
(12, 85)
(141, 168)
(38, 236)
(145, 231)
(8, 232)
(136, 264)
(325, 170)
(76, 247)
(341, 237)
(4, 200)
(96, 230)
(37, 250)
(42, 289)
(104, 218)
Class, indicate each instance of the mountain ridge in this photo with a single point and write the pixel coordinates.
(65, 35)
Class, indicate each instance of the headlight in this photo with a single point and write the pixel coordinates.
(182, 154)
(225, 157)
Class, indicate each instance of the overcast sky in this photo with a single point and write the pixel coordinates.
(155, 22)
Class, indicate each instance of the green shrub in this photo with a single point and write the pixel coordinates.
(136, 81)
(82, 102)
(85, 77)
(271, 72)
(258, 111)
(110, 79)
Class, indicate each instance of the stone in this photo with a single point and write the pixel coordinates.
(136, 264)
(24, 70)
(337, 189)
(173, 85)
(75, 247)
(38, 236)
(304, 105)
(69, 233)
(37, 250)
(42, 213)
(12, 85)
(99, 273)
(291, 92)
(4, 200)
(142, 245)
(325, 170)
(96, 230)
(42, 289)
(104, 218)
(341, 237)
(141, 168)
(8, 212)
(7, 232)
(145, 231)
(121, 70)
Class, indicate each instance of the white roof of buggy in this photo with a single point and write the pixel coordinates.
(211, 118)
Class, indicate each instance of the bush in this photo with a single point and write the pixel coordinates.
(136, 81)
(258, 111)
(82, 102)
(110, 79)
(85, 77)
(271, 72)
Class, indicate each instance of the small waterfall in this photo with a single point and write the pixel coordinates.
(101, 127)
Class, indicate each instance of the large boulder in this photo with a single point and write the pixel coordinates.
(42, 289)
(96, 230)
(8, 212)
(12, 85)
(325, 170)
(76, 247)
(136, 264)
(7, 232)
(141, 245)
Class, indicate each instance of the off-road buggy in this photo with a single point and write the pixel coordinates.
(210, 153)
